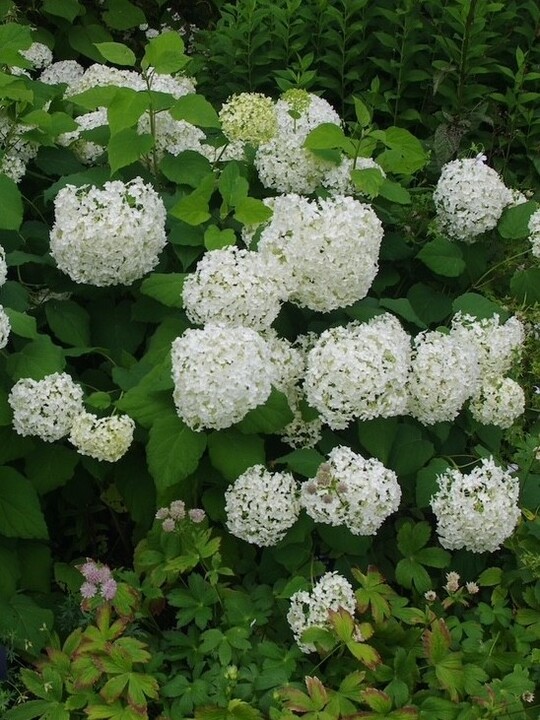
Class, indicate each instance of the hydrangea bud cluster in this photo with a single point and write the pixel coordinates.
(46, 408)
(477, 511)
(98, 580)
(219, 373)
(329, 247)
(248, 118)
(172, 516)
(108, 236)
(105, 438)
(232, 286)
(5, 328)
(261, 506)
(359, 371)
(534, 233)
(469, 199)
(283, 163)
(352, 491)
(307, 610)
(436, 388)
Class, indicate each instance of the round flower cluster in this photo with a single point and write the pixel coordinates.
(359, 371)
(337, 179)
(248, 118)
(261, 506)
(283, 163)
(307, 610)
(497, 346)
(478, 511)
(108, 236)
(350, 490)
(102, 438)
(3, 266)
(330, 248)
(98, 581)
(220, 374)
(47, 407)
(86, 151)
(235, 287)
(534, 233)
(173, 136)
(171, 517)
(38, 54)
(102, 76)
(63, 71)
(499, 401)
(437, 390)
(16, 150)
(5, 328)
(469, 199)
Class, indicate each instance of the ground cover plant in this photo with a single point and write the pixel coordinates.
(268, 380)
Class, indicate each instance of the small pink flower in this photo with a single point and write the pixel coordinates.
(177, 510)
(168, 525)
(108, 589)
(88, 590)
(197, 515)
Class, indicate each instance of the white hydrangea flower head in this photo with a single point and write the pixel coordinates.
(235, 287)
(478, 511)
(220, 374)
(85, 150)
(337, 179)
(105, 438)
(437, 390)
(352, 491)
(534, 233)
(63, 71)
(359, 371)
(498, 345)
(98, 75)
(283, 164)
(3, 266)
(47, 407)
(331, 592)
(176, 85)
(330, 247)
(261, 506)
(469, 199)
(499, 401)
(173, 136)
(5, 328)
(108, 236)
(249, 118)
(289, 366)
(38, 54)
(15, 150)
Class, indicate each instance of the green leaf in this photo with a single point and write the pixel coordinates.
(20, 511)
(490, 576)
(37, 359)
(378, 436)
(426, 481)
(166, 288)
(13, 37)
(50, 466)
(165, 53)
(23, 620)
(216, 239)
(68, 9)
(403, 308)
(433, 557)
(525, 286)
(11, 572)
(83, 39)
(22, 324)
(395, 192)
(31, 709)
(327, 136)
(187, 168)
(409, 572)
(173, 451)
(443, 257)
(123, 15)
(195, 109)
(127, 146)
(117, 53)
(125, 108)
(405, 154)
(478, 306)
(271, 417)
(363, 114)
(11, 213)
(194, 208)
(232, 453)
(429, 304)
(69, 321)
(367, 180)
(514, 222)
(251, 211)
(304, 461)
(410, 450)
